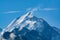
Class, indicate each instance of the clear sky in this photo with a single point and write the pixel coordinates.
(49, 10)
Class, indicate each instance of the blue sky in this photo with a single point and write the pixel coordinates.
(49, 10)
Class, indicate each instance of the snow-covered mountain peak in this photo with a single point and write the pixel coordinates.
(30, 27)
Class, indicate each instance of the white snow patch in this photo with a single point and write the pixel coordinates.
(12, 35)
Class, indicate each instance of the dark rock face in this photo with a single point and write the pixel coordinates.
(6, 35)
(25, 34)
(0, 29)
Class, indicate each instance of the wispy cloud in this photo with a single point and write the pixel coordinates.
(42, 9)
(7, 12)
(46, 9)
(49, 9)
(33, 10)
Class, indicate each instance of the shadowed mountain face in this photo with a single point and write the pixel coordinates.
(0, 29)
(29, 27)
